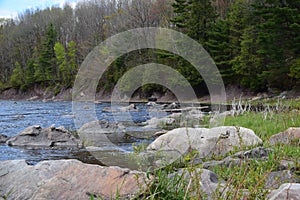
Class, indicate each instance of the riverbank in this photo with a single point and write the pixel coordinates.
(233, 93)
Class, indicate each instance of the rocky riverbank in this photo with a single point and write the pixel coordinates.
(184, 160)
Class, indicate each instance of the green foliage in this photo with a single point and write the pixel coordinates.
(17, 78)
(45, 69)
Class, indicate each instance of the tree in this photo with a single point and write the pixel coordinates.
(218, 46)
(46, 69)
(17, 77)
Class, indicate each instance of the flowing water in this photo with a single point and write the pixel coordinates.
(15, 116)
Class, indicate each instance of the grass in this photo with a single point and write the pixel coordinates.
(265, 124)
(246, 180)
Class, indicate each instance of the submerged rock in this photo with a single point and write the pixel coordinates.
(51, 137)
(67, 179)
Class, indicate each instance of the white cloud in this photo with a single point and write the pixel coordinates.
(7, 14)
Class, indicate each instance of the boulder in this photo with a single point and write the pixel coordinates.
(67, 179)
(51, 137)
(275, 179)
(287, 191)
(3, 138)
(207, 142)
(101, 133)
(155, 123)
(290, 136)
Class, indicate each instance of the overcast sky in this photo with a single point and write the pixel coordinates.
(10, 8)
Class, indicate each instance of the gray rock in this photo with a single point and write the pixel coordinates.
(286, 164)
(290, 136)
(131, 108)
(258, 152)
(155, 123)
(101, 133)
(287, 191)
(203, 179)
(3, 138)
(51, 137)
(207, 142)
(227, 162)
(275, 179)
(67, 179)
(171, 106)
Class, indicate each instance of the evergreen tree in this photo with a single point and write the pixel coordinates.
(218, 46)
(46, 68)
(181, 10)
(17, 78)
(201, 17)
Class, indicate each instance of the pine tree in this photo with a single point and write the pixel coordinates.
(218, 46)
(201, 17)
(17, 78)
(46, 68)
(181, 10)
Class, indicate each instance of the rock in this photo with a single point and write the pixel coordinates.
(171, 106)
(207, 142)
(32, 98)
(275, 179)
(258, 153)
(130, 108)
(154, 122)
(290, 136)
(227, 162)
(101, 133)
(3, 138)
(151, 103)
(287, 191)
(51, 137)
(208, 182)
(287, 164)
(67, 179)
(159, 133)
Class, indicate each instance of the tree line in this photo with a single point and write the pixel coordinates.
(254, 43)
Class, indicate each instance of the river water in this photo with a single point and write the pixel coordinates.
(15, 116)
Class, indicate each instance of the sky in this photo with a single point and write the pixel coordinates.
(10, 8)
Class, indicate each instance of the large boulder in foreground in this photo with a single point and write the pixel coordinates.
(51, 137)
(290, 136)
(67, 179)
(207, 142)
(287, 191)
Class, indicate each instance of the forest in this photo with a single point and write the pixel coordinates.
(254, 43)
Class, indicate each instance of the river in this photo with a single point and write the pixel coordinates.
(15, 116)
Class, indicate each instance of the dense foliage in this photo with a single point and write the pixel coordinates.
(255, 43)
